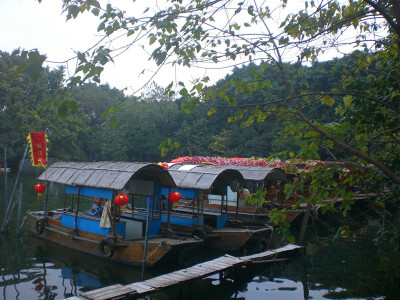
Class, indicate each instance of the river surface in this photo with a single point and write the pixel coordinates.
(345, 268)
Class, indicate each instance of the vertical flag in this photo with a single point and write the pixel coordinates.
(37, 148)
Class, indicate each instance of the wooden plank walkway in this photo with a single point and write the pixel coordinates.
(198, 271)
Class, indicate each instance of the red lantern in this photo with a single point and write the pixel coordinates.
(40, 188)
(121, 199)
(174, 196)
(243, 194)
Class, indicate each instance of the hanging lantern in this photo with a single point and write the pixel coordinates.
(121, 199)
(243, 194)
(40, 188)
(174, 196)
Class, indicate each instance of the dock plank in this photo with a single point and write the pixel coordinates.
(188, 272)
(198, 271)
(113, 291)
(162, 282)
(204, 269)
(141, 287)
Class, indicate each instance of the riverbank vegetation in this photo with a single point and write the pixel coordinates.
(146, 121)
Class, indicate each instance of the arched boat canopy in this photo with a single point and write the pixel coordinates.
(257, 173)
(208, 178)
(258, 178)
(108, 175)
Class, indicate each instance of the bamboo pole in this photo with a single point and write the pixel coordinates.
(46, 199)
(114, 214)
(202, 209)
(146, 236)
(19, 206)
(169, 209)
(76, 212)
(4, 228)
(237, 205)
(5, 179)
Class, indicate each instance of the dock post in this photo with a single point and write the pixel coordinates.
(304, 224)
(306, 291)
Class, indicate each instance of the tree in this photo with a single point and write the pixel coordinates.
(199, 33)
(22, 101)
(189, 32)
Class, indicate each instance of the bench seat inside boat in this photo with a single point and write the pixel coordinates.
(91, 224)
(216, 220)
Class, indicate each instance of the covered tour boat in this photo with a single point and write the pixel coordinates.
(192, 217)
(270, 181)
(132, 240)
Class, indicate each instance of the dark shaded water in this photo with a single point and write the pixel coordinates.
(348, 268)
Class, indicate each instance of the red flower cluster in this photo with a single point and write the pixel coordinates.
(223, 161)
(288, 165)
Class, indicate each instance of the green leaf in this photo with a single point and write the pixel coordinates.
(328, 100)
(62, 111)
(20, 69)
(160, 57)
(95, 11)
(186, 108)
(291, 239)
(250, 10)
(347, 100)
(283, 40)
(114, 121)
(184, 93)
(81, 57)
(73, 11)
(164, 151)
(211, 111)
(269, 84)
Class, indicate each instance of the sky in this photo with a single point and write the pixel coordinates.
(27, 24)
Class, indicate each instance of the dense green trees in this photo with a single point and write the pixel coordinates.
(22, 99)
(144, 122)
(147, 121)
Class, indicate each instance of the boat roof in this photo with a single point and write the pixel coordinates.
(203, 176)
(103, 174)
(260, 173)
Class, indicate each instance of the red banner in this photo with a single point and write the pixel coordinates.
(38, 150)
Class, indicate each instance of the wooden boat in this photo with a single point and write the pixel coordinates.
(258, 178)
(219, 231)
(123, 240)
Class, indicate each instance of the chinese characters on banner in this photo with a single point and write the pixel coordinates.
(37, 149)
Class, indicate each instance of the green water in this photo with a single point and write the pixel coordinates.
(347, 268)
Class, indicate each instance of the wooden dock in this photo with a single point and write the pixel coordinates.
(201, 270)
